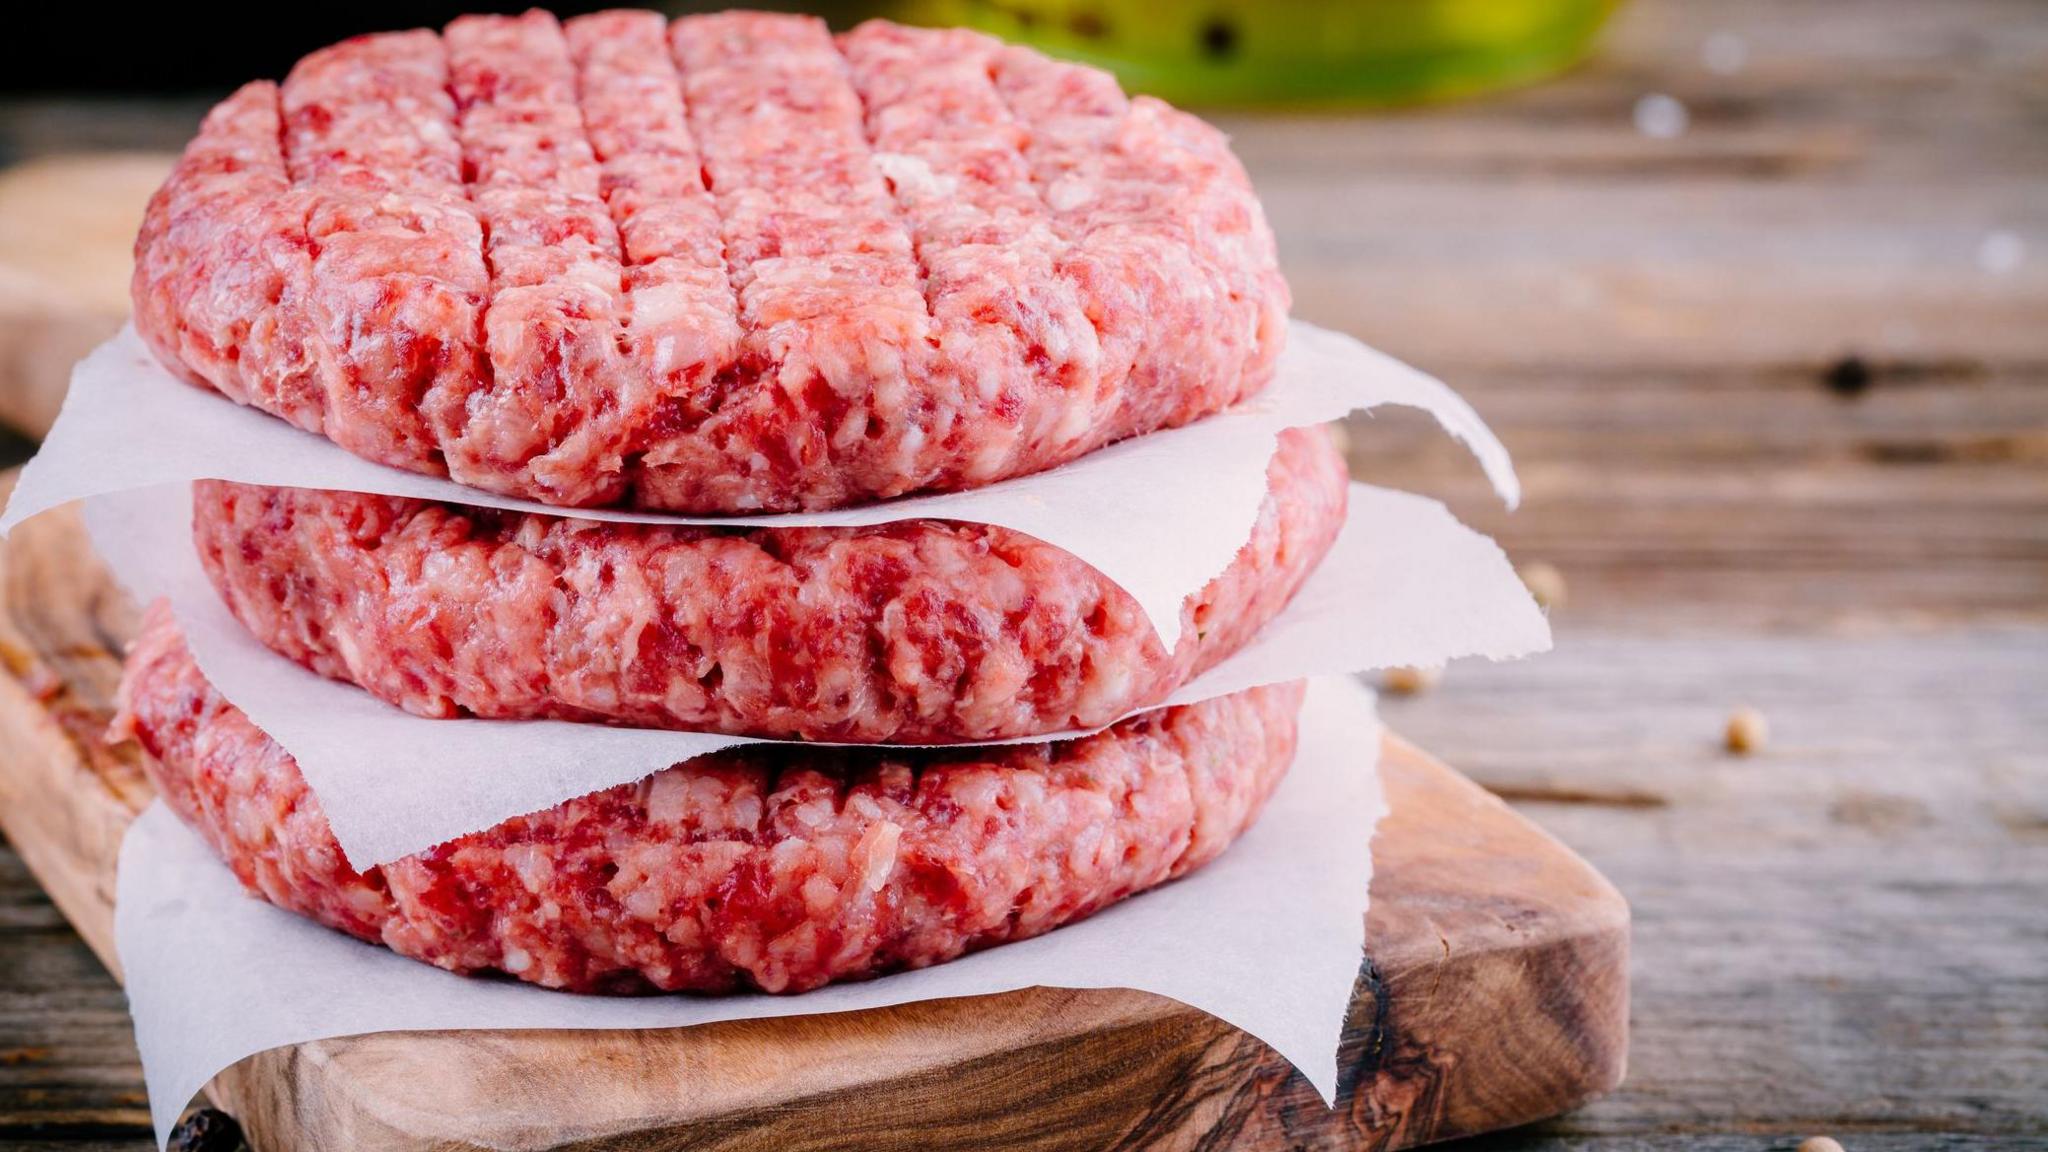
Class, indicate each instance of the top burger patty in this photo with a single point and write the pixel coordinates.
(727, 264)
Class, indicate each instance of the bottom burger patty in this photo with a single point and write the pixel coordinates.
(777, 868)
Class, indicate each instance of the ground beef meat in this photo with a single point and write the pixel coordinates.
(777, 868)
(923, 632)
(728, 264)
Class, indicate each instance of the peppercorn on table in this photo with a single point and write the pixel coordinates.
(1775, 373)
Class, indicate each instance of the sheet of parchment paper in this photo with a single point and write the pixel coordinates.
(214, 975)
(1160, 515)
(1405, 584)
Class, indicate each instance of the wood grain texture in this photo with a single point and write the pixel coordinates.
(1494, 989)
(1844, 932)
(1652, 326)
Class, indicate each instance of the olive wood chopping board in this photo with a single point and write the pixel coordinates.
(1493, 991)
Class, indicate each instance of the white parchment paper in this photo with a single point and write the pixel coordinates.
(1160, 515)
(214, 975)
(1405, 584)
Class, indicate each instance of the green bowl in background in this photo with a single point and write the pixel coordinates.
(1294, 51)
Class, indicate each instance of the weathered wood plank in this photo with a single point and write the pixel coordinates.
(1858, 1140)
(1844, 930)
(106, 1142)
(1832, 195)
(1651, 324)
(67, 1056)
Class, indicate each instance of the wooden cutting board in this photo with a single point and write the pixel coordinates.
(1493, 992)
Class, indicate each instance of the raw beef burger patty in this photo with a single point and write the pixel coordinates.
(774, 868)
(732, 263)
(914, 632)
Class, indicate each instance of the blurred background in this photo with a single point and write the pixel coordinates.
(1278, 51)
(1757, 293)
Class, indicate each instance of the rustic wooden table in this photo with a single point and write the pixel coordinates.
(1778, 387)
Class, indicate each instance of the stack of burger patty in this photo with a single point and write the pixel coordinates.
(729, 264)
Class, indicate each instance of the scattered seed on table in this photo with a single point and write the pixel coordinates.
(1411, 681)
(1747, 731)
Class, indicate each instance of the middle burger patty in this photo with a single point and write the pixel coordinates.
(918, 631)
